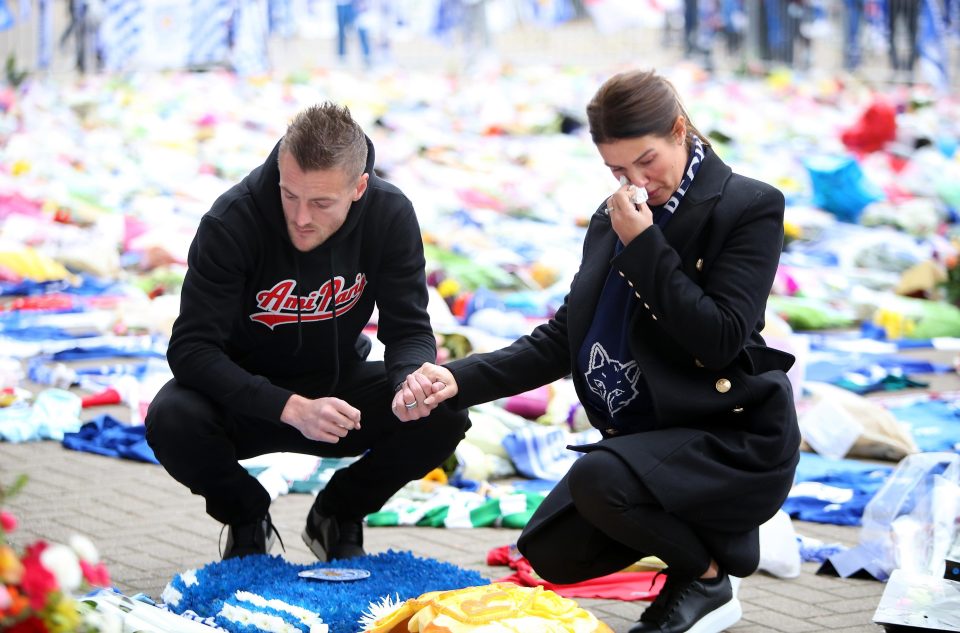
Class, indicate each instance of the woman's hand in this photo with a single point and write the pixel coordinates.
(423, 391)
(628, 218)
(443, 382)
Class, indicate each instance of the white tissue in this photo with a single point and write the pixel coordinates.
(639, 193)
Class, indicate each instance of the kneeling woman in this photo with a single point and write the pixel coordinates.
(660, 332)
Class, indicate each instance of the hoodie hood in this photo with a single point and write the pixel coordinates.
(263, 184)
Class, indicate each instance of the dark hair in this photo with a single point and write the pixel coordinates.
(637, 103)
(325, 136)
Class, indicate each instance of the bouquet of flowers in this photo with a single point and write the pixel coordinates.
(37, 585)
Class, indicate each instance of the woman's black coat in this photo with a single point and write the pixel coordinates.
(727, 444)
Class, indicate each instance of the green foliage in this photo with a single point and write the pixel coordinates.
(14, 76)
(469, 273)
(14, 488)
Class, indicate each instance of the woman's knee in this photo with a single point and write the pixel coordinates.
(551, 565)
(596, 482)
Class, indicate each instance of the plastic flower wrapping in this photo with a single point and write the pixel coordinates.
(38, 584)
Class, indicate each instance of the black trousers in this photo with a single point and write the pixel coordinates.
(614, 521)
(199, 442)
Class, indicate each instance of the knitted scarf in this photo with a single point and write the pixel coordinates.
(693, 164)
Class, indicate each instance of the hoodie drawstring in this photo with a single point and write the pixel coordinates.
(296, 267)
(336, 333)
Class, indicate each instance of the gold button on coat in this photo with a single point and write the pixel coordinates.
(723, 385)
(700, 264)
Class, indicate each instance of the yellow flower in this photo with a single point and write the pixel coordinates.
(792, 230)
(11, 570)
(64, 617)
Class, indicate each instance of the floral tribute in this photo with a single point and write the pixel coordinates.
(38, 584)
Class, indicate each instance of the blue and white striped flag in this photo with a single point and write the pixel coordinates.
(931, 44)
(44, 35)
(120, 34)
(281, 17)
(250, 38)
(210, 32)
(540, 452)
(6, 16)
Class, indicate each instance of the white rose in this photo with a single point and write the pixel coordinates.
(62, 562)
(85, 549)
(104, 622)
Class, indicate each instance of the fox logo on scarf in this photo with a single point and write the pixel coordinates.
(279, 304)
(612, 380)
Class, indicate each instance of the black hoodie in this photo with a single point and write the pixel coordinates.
(240, 336)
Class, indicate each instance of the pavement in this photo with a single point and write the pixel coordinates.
(149, 528)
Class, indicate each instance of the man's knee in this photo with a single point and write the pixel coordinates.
(175, 413)
(448, 423)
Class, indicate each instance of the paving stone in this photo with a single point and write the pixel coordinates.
(853, 618)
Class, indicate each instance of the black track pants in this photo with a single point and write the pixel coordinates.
(199, 442)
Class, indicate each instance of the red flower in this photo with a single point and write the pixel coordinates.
(96, 575)
(18, 603)
(7, 521)
(33, 624)
(37, 582)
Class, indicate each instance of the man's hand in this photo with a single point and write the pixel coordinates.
(323, 419)
(423, 391)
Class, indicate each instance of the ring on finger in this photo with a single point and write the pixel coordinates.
(410, 405)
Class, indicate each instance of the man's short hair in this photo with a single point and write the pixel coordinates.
(325, 136)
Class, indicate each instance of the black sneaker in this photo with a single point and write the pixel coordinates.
(329, 537)
(698, 606)
(244, 539)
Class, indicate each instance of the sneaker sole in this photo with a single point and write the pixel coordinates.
(314, 546)
(735, 585)
(720, 619)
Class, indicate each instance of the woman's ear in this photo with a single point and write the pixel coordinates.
(680, 130)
